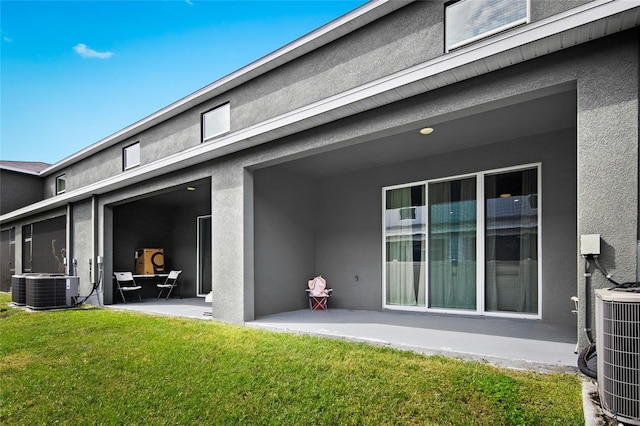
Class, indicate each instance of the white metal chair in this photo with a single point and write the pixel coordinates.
(170, 283)
(126, 284)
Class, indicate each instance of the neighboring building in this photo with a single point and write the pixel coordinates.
(311, 161)
(20, 186)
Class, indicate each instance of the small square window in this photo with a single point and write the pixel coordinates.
(216, 122)
(131, 156)
(469, 20)
(61, 184)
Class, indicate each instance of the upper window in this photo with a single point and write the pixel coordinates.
(216, 122)
(61, 184)
(131, 156)
(470, 20)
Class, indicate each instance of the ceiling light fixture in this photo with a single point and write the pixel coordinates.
(190, 188)
(426, 130)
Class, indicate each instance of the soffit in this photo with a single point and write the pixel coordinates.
(26, 167)
(517, 120)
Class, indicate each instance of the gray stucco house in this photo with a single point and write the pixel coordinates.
(427, 156)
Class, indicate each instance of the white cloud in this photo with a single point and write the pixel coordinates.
(7, 39)
(86, 52)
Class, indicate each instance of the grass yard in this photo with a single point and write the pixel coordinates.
(97, 366)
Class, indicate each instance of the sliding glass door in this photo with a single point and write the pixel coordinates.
(204, 256)
(467, 244)
(511, 241)
(405, 246)
(452, 244)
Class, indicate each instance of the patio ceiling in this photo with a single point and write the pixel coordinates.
(541, 115)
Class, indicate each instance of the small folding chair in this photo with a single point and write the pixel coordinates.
(318, 294)
(126, 284)
(169, 284)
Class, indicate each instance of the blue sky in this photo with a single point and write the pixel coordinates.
(75, 72)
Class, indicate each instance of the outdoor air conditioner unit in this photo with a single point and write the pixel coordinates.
(19, 290)
(618, 349)
(51, 291)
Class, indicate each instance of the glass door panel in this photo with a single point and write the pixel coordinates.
(452, 244)
(511, 242)
(204, 256)
(405, 246)
(27, 233)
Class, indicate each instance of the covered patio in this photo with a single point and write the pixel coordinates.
(508, 343)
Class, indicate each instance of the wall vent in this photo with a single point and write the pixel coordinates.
(618, 349)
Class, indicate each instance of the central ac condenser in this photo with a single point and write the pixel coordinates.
(618, 349)
(19, 289)
(51, 291)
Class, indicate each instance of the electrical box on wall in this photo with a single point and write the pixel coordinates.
(590, 244)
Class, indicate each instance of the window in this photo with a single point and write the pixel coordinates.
(61, 184)
(27, 234)
(216, 122)
(131, 156)
(470, 20)
(469, 245)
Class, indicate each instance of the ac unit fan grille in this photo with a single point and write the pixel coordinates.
(19, 289)
(620, 359)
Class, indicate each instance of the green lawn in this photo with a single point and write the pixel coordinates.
(96, 366)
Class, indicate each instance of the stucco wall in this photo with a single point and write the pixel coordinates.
(285, 210)
(19, 190)
(232, 228)
(406, 37)
(608, 163)
(82, 238)
(541, 9)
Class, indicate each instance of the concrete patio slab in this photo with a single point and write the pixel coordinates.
(189, 307)
(504, 342)
(512, 343)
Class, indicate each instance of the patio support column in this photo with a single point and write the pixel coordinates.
(607, 137)
(232, 251)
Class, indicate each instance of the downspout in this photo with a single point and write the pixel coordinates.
(96, 259)
(587, 301)
(587, 353)
(70, 266)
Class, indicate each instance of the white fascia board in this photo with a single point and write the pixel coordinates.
(335, 29)
(315, 113)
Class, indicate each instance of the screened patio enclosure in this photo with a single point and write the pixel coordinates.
(176, 220)
(462, 221)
